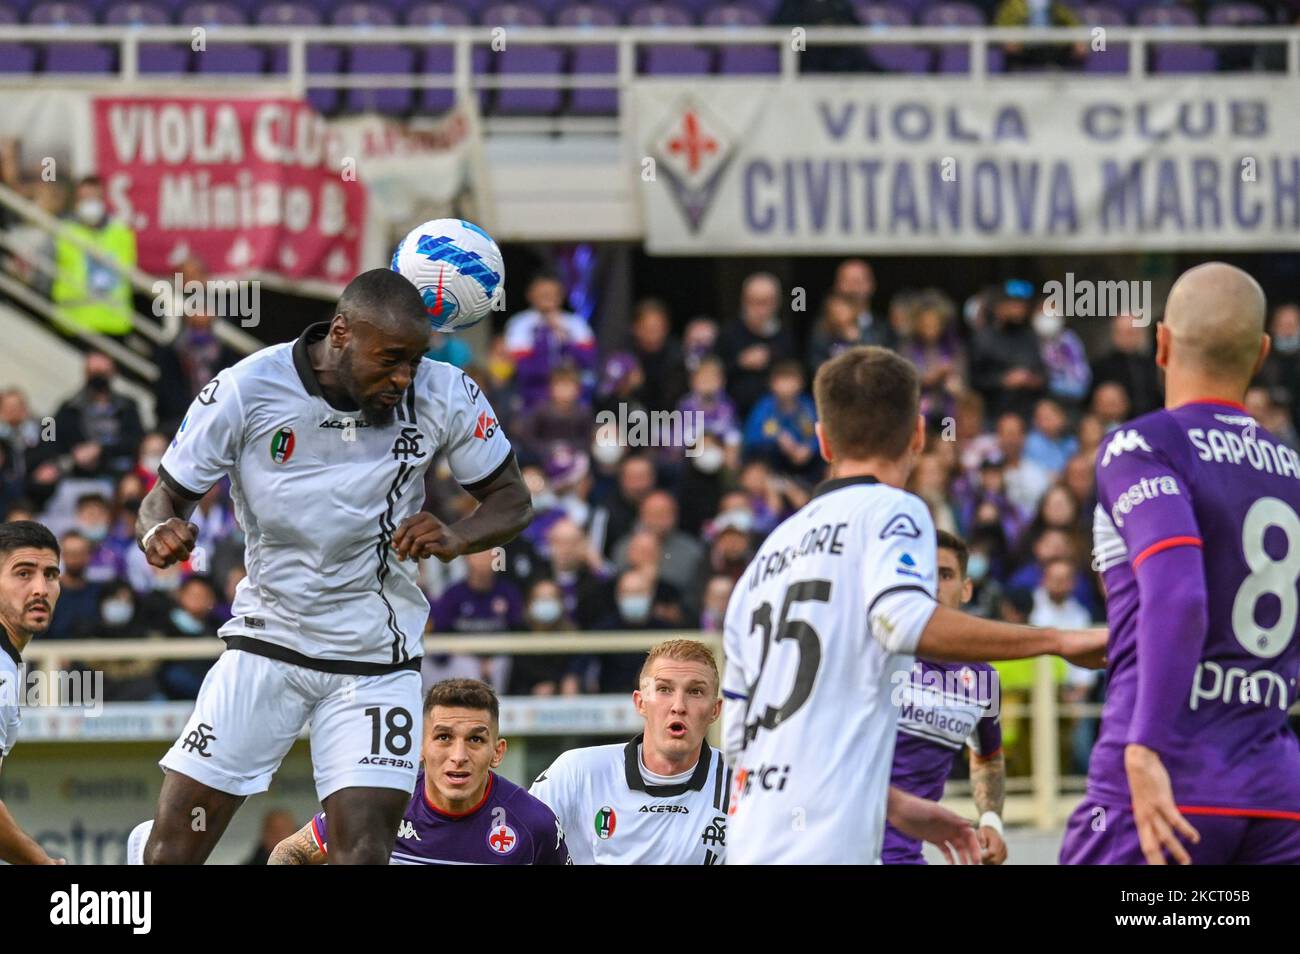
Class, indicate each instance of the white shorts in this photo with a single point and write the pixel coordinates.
(365, 730)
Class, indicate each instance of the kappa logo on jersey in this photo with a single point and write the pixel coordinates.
(407, 830)
(1123, 441)
(907, 566)
(282, 445)
(485, 427)
(407, 444)
(209, 393)
(605, 822)
(900, 525)
(502, 839)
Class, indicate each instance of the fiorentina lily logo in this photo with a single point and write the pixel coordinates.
(693, 149)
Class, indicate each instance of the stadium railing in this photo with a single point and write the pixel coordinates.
(1043, 799)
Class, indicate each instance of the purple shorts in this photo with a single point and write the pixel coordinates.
(1105, 834)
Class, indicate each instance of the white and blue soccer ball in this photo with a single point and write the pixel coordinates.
(457, 269)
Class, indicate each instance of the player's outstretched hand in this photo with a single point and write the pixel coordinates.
(930, 821)
(424, 535)
(171, 542)
(1159, 823)
(1085, 647)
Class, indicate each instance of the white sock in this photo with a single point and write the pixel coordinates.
(136, 842)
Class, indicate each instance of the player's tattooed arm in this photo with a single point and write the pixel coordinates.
(988, 782)
(163, 530)
(300, 848)
(505, 508)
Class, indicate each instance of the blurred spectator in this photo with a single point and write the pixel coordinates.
(1054, 605)
(1025, 480)
(902, 316)
(97, 427)
(230, 581)
(930, 483)
(767, 497)
(614, 518)
(708, 398)
(1281, 370)
(192, 360)
(730, 545)
(1273, 413)
(187, 614)
(94, 522)
(645, 554)
(699, 342)
(631, 611)
(856, 281)
(562, 418)
(780, 429)
(825, 13)
(681, 556)
(701, 482)
(27, 241)
(1038, 13)
(974, 444)
(277, 825)
(450, 350)
(751, 344)
(717, 594)
(544, 674)
(1051, 544)
(836, 331)
(938, 355)
(19, 431)
(1058, 510)
(1128, 362)
(1050, 444)
(545, 336)
(985, 505)
(1091, 433)
(125, 680)
(619, 387)
(152, 447)
(659, 355)
(485, 601)
(214, 518)
(78, 607)
(1080, 477)
(1110, 405)
(576, 569)
(1064, 357)
(89, 293)
(1006, 362)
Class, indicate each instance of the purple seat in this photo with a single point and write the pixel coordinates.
(660, 15)
(747, 59)
(591, 61)
(78, 58)
(136, 14)
(519, 60)
(320, 59)
(1113, 59)
(437, 15)
(1236, 14)
(732, 15)
(211, 14)
(512, 15)
(1176, 57)
(669, 60)
(61, 14)
(8, 15)
(17, 58)
(894, 58)
(235, 59)
(954, 58)
(288, 14)
(397, 60)
(363, 15)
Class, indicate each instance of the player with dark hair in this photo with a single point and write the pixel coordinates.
(29, 591)
(326, 441)
(462, 812)
(1197, 538)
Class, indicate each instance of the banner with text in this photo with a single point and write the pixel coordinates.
(942, 166)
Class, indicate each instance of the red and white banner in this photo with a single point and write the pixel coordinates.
(247, 185)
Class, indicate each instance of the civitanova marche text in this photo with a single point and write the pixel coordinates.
(78, 689)
(632, 427)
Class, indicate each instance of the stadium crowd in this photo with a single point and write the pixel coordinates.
(634, 538)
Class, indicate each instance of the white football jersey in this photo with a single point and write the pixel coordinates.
(319, 493)
(11, 690)
(612, 816)
(819, 634)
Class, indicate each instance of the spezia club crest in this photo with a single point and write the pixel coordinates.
(605, 822)
(692, 149)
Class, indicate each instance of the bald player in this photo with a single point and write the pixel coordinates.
(1197, 538)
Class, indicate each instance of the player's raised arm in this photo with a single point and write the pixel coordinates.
(930, 821)
(954, 636)
(300, 848)
(164, 531)
(16, 846)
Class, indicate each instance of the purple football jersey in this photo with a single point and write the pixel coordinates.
(508, 827)
(941, 707)
(1197, 538)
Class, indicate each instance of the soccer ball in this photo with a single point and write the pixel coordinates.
(457, 269)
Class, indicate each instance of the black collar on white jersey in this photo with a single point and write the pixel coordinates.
(302, 362)
(827, 486)
(632, 768)
(10, 649)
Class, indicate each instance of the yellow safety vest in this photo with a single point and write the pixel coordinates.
(88, 294)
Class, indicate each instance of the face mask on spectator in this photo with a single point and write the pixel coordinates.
(977, 567)
(98, 383)
(710, 620)
(166, 582)
(545, 611)
(710, 460)
(95, 533)
(185, 622)
(1047, 325)
(606, 454)
(1287, 344)
(634, 608)
(117, 612)
(90, 211)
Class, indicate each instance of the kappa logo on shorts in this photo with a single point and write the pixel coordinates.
(198, 739)
(502, 839)
(900, 525)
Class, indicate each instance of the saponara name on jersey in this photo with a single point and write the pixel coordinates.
(827, 538)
